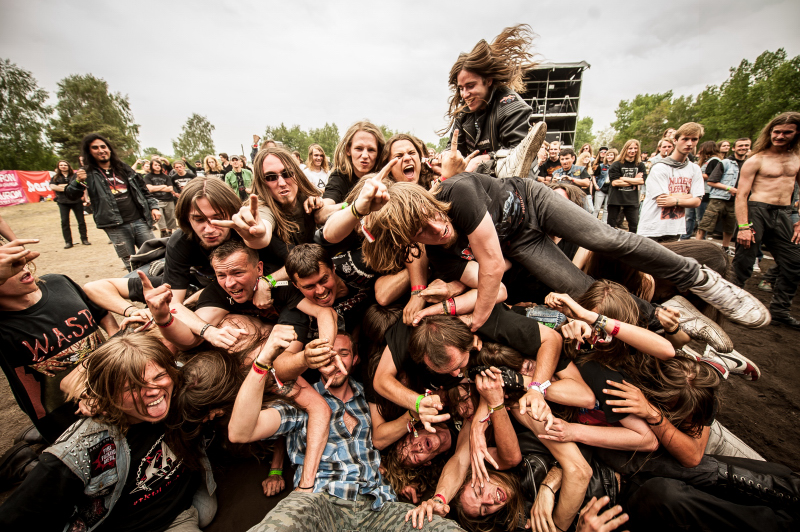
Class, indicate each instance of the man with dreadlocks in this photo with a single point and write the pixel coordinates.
(485, 107)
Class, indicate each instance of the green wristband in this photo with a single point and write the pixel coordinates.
(278, 472)
(345, 205)
(271, 280)
(419, 400)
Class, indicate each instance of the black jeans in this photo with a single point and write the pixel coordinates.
(773, 226)
(666, 504)
(77, 209)
(551, 214)
(631, 213)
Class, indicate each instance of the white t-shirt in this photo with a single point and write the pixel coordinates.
(318, 179)
(664, 179)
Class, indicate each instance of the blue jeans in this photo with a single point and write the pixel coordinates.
(127, 238)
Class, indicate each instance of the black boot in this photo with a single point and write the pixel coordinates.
(774, 485)
(69, 245)
(15, 465)
(85, 242)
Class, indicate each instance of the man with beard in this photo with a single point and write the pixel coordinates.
(764, 209)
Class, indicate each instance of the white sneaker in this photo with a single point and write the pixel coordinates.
(699, 326)
(735, 303)
(520, 159)
(756, 267)
(737, 363)
(718, 365)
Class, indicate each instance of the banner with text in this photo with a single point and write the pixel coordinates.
(11, 190)
(36, 185)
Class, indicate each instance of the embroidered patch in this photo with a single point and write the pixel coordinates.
(102, 456)
(508, 99)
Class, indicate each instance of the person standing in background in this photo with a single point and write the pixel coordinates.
(65, 175)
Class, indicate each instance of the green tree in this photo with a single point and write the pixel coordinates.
(442, 144)
(326, 136)
(195, 140)
(85, 106)
(292, 138)
(23, 121)
(645, 118)
(149, 152)
(583, 132)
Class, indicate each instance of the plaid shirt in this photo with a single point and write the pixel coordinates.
(349, 464)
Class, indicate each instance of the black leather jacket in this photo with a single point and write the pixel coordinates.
(106, 212)
(502, 124)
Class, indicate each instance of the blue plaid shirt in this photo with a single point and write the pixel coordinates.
(349, 464)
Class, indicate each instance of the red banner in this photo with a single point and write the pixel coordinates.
(11, 190)
(36, 185)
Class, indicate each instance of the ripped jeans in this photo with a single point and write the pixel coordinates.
(127, 238)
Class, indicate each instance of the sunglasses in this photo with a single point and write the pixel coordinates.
(272, 176)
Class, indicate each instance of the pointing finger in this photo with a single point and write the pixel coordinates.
(146, 284)
(454, 142)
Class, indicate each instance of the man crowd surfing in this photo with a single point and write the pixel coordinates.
(490, 338)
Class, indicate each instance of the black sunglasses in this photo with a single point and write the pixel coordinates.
(272, 176)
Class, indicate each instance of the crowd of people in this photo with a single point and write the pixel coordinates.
(463, 340)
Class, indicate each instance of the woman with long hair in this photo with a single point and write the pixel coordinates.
(601, 183)
(626, 174)
(213, 168)
(356, 155)
(409, 151)
(316, 169)
(64, 175)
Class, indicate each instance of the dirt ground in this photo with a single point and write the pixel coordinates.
(765, 414)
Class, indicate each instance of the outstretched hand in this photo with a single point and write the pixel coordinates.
(452, 161)
(374, 194)
(247, 222)
(157, 298)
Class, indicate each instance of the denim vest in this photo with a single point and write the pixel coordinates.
(99, 455)
(601, 180)
(706, 186)
(730, 175)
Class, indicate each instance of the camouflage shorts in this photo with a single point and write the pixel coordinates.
(325, 513)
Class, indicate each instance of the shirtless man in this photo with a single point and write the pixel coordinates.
(763, 211)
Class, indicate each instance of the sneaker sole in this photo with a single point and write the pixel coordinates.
(751, 371)
(537, 136)
(726, 345)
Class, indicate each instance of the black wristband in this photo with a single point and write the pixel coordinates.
(311, 487)
(204, 329)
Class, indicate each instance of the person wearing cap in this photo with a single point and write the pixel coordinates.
(239, 179)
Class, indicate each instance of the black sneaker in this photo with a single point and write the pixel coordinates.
(786, 321)
(69, 245)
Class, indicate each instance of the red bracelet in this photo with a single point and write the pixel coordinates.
(169, 322)
(258, 370)
(452, 303)
(418, 287)
(615, 330)
(444, 501)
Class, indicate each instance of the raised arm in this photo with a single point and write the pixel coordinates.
(485, 247)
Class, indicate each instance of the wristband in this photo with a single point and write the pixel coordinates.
(418, 288)
(660, 421)
(419, 400)
(125, 312)
(540, 387)
(169, 322)
(345, 205)
(311, 487)
(204, 329)
(355, 212)
(261, 371)
(270, 279)
(746, 226)
(452, 304)
(275, 472)
(548, 487)
(727, 189)
(366, 232)
(444, 501)
(444, 306)
(599, 324)
(615, 330)
(674, 331)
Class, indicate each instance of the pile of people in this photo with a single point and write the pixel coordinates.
(439, 342)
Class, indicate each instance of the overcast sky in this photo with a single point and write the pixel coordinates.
(249, 64)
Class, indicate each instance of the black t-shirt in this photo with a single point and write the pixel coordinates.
(159, 180)
(61, 328)
(118, 184)
(549, 167)
(180, 181)
(350, 308)
(220, 175)
(61, 179)
(504, 326)
(284, 297)
(240, 184)
(596, 376)
(158, 487)
(226, 168)
(471, 196)
(628, 195)
(712, 164)
(338, 187)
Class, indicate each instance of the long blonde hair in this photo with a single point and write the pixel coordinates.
(624, 152)
(286, 229)
(341, 161)
(310, 158)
